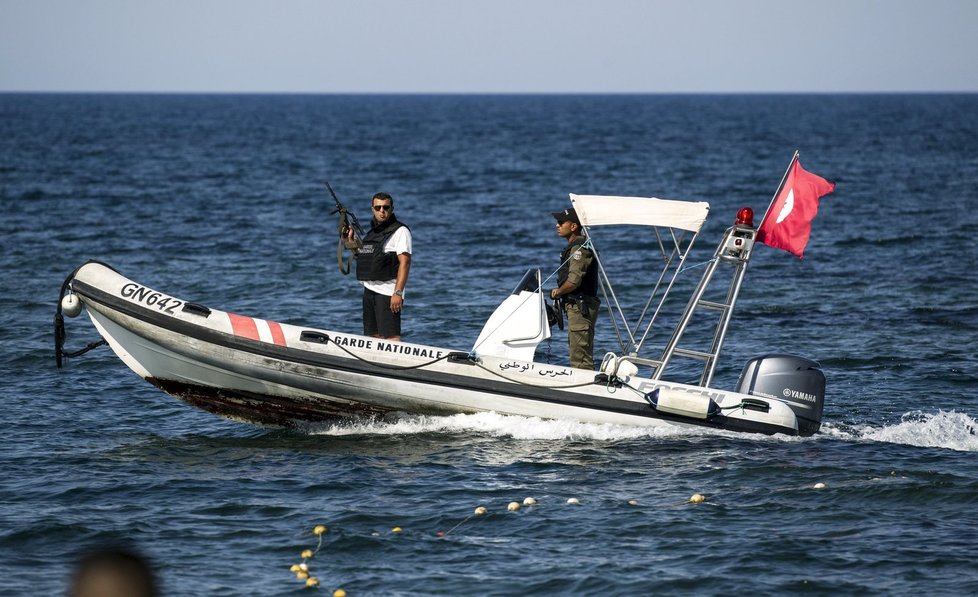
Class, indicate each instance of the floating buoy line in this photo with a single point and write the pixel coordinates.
(303, 570)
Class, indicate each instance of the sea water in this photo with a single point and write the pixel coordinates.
(221, 200)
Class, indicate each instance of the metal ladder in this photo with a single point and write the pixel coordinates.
(734, 250)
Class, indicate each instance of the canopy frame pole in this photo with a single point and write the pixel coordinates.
(634, 344)
(683, 254)
(608, 289)
(667, 259)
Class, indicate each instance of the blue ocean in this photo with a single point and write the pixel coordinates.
(220, 199)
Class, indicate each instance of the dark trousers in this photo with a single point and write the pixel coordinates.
(378, 319)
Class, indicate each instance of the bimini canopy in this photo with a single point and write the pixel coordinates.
(600, 210)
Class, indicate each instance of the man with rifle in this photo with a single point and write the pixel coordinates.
(383, 262)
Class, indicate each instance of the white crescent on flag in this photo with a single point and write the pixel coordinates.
(789, 204)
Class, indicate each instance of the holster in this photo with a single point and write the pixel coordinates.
(583, 302)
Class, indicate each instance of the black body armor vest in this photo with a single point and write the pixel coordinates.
(373, 264)
(589, 284)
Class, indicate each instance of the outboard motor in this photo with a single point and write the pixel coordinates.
(797, 381)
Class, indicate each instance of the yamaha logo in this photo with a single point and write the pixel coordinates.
(789, 393)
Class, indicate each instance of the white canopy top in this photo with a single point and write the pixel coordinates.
(599, 210)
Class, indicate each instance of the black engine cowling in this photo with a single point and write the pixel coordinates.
(795, 380)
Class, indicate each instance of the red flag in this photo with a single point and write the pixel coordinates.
(788, 222)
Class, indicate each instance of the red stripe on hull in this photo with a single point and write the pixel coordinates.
(243, 326)
(278, 336)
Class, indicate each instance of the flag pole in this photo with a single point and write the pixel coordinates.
(784, 178)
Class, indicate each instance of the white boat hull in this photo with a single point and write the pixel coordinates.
(282, 375)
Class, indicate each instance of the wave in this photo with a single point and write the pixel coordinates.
(516, 427)
(505, 426)
(952, 317)
(944, 429)
(893, 241)
(950, 430)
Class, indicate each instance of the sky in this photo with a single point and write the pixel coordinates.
(489, 46)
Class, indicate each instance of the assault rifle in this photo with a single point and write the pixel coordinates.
(346, 216)
(347, 220)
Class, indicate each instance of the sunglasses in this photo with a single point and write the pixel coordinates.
(383, 207)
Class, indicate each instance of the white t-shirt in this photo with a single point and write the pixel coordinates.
(399, 242)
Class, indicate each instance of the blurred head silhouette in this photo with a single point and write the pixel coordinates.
(113, 572)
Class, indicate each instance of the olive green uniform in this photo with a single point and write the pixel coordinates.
(582, 312)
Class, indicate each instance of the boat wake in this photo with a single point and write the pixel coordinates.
(944, 429)
(503, 426)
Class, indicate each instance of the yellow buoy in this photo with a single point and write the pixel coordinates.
(312, 581)
(480, 510)
(306, 554)
(697, 498)
(339, 593)
(303, 575)
(319, 530)
(396, 530)
(513, 506)
(295, 568)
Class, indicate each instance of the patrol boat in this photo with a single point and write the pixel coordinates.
(275, 374)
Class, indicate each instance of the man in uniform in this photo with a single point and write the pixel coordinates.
(577, 289)
(383, 263)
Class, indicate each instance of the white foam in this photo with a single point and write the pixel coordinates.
(944, 429)
(509, 426)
